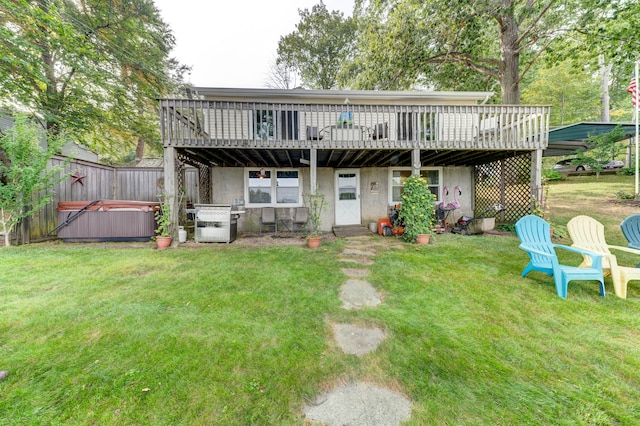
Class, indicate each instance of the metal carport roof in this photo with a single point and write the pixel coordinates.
(567, 139)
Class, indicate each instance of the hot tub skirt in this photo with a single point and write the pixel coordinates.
(107, 220)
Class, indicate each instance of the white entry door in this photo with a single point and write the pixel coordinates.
(347, 184)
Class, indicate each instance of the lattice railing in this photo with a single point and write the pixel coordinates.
(506, 182)
(205, 184)
(204, 176)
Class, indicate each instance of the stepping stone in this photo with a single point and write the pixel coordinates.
(357, 252)
(361, 260)
(357, 340)
(356, 294)
(361, 404)
(354, 272)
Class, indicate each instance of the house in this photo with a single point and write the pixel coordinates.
(267, 148)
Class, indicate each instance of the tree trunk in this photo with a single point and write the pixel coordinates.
(140, 149)
(509, 73)
(605, 72)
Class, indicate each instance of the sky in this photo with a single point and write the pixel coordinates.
(233, 43)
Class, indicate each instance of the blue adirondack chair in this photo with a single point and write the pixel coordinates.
(535, 238)
(631, 230)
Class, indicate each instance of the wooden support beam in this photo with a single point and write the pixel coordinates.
(170, 190)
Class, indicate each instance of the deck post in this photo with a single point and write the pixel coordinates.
(536, 174)
(415, 161)
(313, 179)
(170, 187)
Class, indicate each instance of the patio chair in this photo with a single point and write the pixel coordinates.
(313, 134)
(380, 131)
(268, 219)
(300, 217)
(535, 238)
(588, 234)
(631, 230)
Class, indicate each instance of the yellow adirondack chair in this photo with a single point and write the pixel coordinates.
(588, 234)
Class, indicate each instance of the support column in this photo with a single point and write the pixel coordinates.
(313, 179)
(170, 190)
(536, 174)
(415, 161)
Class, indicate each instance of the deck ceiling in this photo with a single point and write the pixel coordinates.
(338, 158)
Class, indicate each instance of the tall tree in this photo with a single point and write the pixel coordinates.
(322, 41)
(87, 67)
(430, 42)
(281, 76)
(571, 89)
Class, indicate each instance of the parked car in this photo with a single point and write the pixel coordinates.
(614, 164)
(567, 166)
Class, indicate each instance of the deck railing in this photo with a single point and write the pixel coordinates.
(202, 123)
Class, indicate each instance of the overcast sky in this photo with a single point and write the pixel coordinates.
(233, 43)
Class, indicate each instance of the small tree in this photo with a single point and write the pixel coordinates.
(601, 149)
(25, 175)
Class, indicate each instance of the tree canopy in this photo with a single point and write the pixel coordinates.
(90, 68)
(322, 41)
(482, 44)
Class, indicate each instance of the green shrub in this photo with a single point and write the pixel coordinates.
(506, 227)
(417, 211)
(626, 171)
(552, 175)
(623, 195)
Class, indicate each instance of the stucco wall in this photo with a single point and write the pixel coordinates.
(228, 185)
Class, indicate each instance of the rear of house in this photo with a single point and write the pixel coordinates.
(266, 148)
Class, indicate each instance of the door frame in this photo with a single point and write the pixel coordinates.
(337, 201)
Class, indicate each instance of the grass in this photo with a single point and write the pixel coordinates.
(229, 334)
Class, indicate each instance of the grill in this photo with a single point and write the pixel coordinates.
(216, 223)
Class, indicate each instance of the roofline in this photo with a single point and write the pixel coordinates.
(333, 94)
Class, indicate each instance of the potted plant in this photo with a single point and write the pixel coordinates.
(315, 203)
(165, 226)
(417, 210)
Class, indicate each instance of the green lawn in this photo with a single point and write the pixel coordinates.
(230, 334)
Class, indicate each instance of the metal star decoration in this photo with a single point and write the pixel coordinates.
(77, 177)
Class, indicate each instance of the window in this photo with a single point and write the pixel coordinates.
(347, 186)
(273, 188)
(414, 126)
(287, 187)
(264, 124)
(398, 176)
(259, 187)
(405, 126)
(428, 125)
(270, 124)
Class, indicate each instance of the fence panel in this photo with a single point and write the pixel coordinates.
(91, 181)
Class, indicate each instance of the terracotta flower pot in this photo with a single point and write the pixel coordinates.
(313, 242)
(163, 242)
(423, 238)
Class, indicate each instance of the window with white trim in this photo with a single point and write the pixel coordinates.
(273, 187)
(397, 176)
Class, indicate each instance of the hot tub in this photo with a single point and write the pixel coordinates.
(106, 220)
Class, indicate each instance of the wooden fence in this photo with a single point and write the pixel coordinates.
(91, 181)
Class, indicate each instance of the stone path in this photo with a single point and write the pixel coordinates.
(358, 403)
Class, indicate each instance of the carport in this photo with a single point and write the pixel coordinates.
(568, 139)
